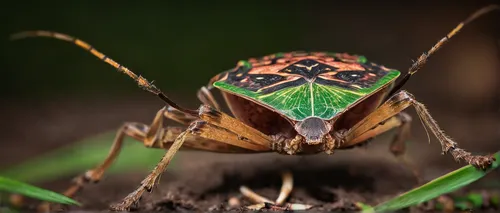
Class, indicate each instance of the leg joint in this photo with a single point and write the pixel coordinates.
(403, 95)
(197, 126)
(206, 110)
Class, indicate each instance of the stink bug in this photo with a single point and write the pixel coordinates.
(289, 103)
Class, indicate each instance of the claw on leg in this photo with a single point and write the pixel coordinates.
(279, 204)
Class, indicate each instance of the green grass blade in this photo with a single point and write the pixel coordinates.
(17, 187)
(441, 185)
(365, 208)
(8, 210)
(79, 157)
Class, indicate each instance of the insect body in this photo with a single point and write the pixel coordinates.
(305, 97)
(290, 103)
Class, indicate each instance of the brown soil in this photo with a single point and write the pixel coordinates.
(201, 182)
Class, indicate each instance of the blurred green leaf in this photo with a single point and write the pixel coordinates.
(79, 157)
(17, 187)
(8, 210)
(439, 186)
(365, 208)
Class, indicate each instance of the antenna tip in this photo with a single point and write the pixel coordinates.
(21, 35)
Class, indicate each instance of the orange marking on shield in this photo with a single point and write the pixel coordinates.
(271, 69)
(347, 57)
(341, 66)
(319, 54)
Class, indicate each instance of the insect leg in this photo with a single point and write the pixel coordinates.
(244, 132)
(178, 116)
(148, 183)
(202, 136)
(401, 122)
(215, 117)
(398, 145)
(205, 129)
(401, 101)
(206, 97)
(205, 93)
(378, 127)
(150, 136)
(252, 137)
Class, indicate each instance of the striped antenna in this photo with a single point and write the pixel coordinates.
(141, 81)
(417, 65)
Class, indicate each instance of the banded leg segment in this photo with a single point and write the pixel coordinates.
(396, 104)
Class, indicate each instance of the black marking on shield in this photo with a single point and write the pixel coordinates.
(307, 68)
(254, 82)
(295, 83)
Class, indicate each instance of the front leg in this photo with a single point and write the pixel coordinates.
(148, 183)
(398, 103)
(212, 125)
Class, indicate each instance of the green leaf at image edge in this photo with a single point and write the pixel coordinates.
(439, 186)
(76, 158)
(16, 187)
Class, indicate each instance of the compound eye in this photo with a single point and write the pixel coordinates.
(350, 76)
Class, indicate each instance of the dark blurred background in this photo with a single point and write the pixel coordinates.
(54, 93)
